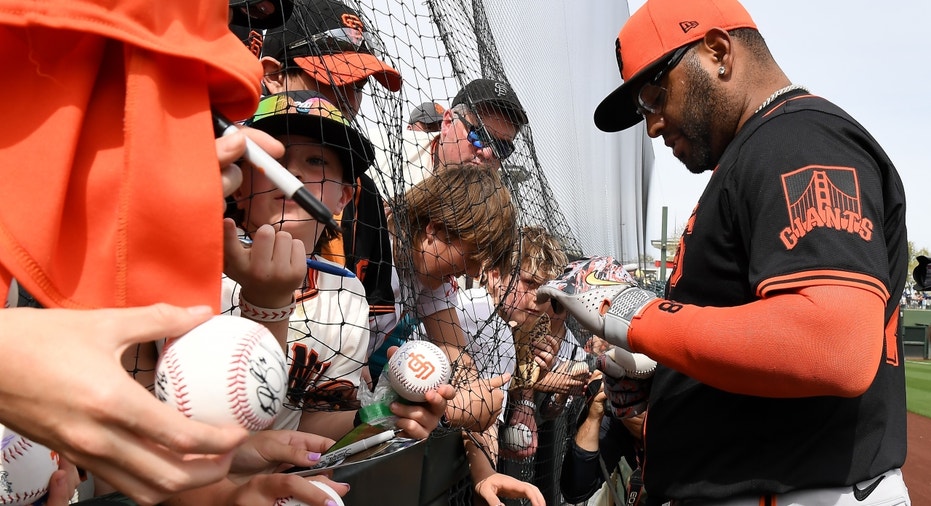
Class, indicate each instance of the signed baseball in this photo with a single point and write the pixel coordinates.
(632, 365)
(25, 468)
(417, 366)
(517, 437)
(228, 370)
(290, 501)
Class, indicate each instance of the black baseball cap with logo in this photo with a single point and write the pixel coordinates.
(329, 41)
(260, 14)
(495, 94)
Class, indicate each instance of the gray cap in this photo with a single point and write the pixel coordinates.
(427, 112)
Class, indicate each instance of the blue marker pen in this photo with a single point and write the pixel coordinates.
(329, 268)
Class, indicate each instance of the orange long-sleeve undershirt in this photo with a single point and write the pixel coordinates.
(816, 340)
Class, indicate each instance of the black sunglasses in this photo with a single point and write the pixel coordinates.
(336, 41)
(481, 139)
(652, 97)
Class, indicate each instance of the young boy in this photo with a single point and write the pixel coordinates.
(326, 317)
(491, 314)
(456, 222)
(452, 223)
(315, 307)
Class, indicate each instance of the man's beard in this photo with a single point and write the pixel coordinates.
(703, 105)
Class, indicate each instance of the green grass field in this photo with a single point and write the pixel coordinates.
(918, 387)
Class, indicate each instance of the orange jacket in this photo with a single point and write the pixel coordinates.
(110, 192)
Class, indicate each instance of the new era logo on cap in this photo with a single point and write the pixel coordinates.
(617, 52)
(688, 25)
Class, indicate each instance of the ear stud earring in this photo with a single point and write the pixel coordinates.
(721, 70)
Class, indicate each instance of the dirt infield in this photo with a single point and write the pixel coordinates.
(917, 468)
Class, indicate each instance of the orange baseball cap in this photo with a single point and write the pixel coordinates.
(329, 41)
(657, 29)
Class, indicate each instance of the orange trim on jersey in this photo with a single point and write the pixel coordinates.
(822, 277)
(892, 340)
(680, 249)
(784, 102)
(334, 250)
(308, 294)
(310, 291)
(382, 309)
(361, 266)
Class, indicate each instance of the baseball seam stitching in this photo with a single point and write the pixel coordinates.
(18, 449)
(20, 497)
(178, 385)
(238, 393)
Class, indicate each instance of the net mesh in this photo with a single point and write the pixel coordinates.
(334, 345)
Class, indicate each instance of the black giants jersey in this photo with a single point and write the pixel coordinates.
(367, 245)
(802, 196)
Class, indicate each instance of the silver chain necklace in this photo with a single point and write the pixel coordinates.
(780, 91)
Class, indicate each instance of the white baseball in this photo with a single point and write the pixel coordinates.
(517, 437)
(25, 468)
(417, 366)
(228, 370)
(290, 501)
(633, 365)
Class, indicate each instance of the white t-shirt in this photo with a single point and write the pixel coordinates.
(490, 342)
(327, 344)
(426, 302)
(417, 161)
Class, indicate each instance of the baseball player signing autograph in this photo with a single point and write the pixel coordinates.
(780, 377)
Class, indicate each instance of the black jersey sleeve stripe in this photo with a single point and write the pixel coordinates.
(798, 280)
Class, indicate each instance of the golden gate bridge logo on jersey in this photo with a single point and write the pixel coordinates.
(422, 367)
(823, 197)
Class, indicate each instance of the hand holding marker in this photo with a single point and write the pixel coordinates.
(284, 180)
(336, 456)
(337, 453)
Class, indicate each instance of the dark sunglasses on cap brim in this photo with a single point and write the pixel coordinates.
(338, 40)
